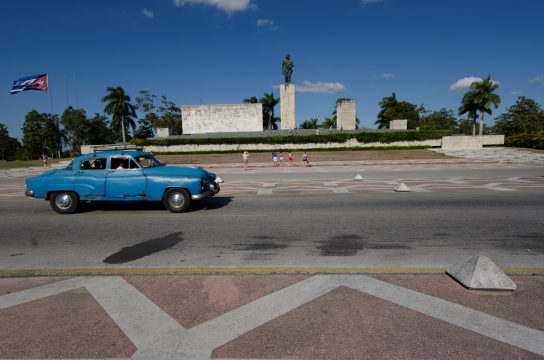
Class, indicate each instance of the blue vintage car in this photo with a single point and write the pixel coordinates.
(121, 175)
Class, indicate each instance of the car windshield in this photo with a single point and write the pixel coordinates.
(147, 161)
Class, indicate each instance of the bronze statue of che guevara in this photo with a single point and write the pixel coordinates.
(287, 68)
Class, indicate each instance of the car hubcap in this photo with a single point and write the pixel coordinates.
(176, 200)
(63, 201)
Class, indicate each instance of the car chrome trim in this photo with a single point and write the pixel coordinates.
(29, 193)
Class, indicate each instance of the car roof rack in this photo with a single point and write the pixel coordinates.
(97, 148)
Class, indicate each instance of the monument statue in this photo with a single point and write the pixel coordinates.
(287, 68)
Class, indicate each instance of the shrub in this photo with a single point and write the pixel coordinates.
(362, 137)
(531, 141)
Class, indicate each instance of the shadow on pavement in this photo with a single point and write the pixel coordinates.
(209, 204)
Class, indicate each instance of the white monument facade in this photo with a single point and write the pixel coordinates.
(200, 119)
(345, 115)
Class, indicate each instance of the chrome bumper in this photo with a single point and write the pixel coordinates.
(206, 194)
(29, 193)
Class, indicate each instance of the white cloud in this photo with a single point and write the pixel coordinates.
(465, 83)
(537, 80)
(265, 22)
(227, 6)
(388, 75)
(148, 13)
(368, 2)
(320, 87)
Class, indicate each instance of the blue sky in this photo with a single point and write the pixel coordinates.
(222, 51)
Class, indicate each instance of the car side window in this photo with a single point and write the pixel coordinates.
(132, 164)
(123, 163)
(93, 164)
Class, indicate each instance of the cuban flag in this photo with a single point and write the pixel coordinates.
(36, 82)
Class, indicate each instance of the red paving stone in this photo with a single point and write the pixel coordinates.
(347, 324)
(67, 325)
(191, 300)
(11, 285)
(524, 306)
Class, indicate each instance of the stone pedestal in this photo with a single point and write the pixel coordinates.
(287, 104)
(345, 115)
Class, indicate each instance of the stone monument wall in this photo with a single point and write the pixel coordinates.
(287, 105)
(201, 119)
(345, 115)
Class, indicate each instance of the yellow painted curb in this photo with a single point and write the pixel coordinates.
(271, 270)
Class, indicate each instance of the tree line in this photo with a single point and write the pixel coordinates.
(63, 136)
(46, 133)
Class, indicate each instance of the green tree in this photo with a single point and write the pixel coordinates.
(386, 103)
(524, 117)
(251, 100)
(481, 97)
(310, 124)
(269, 103)
(41, 134)
(118, 105)
(145, 103)
(75, 129)
(170, 116)
(99, 131)
(329, 122)
(442, 119)
(9, 146)
(468, 106)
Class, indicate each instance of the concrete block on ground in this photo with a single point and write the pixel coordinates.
(402, 187)
(480, 273)
(471, 142)
(398, 124)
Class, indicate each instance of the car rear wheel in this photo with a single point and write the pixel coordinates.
(176, 200)
(64, 202)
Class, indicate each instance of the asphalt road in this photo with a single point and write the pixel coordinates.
(355, 230)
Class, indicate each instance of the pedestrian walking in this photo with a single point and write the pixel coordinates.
(245, 159)
(45, 158)
(290, 158)
(305, 159)
(275, 158)
(281, 158)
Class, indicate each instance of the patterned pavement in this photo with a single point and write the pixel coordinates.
(204, 317)
(15, 186)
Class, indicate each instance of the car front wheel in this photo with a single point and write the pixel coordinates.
(64, 202)
(176, 200)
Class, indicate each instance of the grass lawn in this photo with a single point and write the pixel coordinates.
(21, 163)
(263, 157)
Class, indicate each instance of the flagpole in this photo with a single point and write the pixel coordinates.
(51, 102)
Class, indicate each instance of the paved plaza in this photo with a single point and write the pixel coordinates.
(259, 314)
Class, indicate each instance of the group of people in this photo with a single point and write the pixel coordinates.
(277, 160)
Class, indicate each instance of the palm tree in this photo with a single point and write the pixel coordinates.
(386, 104)
(310, 124)
(480, 98)
(468, 106)
(119, 106)
(251, 100)
(269, 102)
